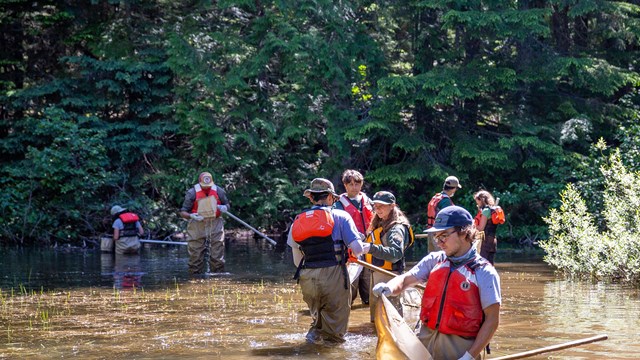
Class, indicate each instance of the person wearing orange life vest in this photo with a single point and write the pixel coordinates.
(440, 201)
(483, 222)
(203, 205)
(126, 230)
(460, 309)
(319, 239)
(360, 207)
(390, 235)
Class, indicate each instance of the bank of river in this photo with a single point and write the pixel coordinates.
(84, 304)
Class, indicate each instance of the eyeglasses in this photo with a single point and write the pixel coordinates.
(442, 238)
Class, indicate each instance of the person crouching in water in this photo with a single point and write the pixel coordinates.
(390, 235)
(319, 239)
(457, 323)
(126, 230)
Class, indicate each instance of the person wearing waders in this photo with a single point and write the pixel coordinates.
(320, 238)
(360, 207)
(126, 230)
(203, 205)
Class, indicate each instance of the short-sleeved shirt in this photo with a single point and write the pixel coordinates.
(444, 202)
(487, 276)
(190, 198)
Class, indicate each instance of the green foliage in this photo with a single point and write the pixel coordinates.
(576, 245)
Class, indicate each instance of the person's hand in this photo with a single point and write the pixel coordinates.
(467, 356)
(352, 258)
(366, 247)
(381, 289)
(222, 208)
(196, 217)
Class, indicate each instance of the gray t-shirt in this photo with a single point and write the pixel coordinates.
(487, 276)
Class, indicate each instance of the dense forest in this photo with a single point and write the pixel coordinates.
(124, 102)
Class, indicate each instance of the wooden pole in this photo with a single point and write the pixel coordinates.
(552, 348)
(383, 271)
(251, 228)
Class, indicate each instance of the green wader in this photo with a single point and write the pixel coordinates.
(329, 302)
(127, 245)
(206, 236)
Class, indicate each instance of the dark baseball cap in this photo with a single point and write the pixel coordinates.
(384, 197)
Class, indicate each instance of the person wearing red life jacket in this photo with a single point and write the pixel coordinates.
(320, 238)
(126, 230)
(483, 221)
(460, 309)
(360, 207)
(203, 206)
(440, 201)
(390, 234)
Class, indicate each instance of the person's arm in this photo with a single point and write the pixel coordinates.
(482, 223)
(116, 234)
(222, 194)
(187, 204)
(488, 328)
(140, 229)
(295, 249)
(399, 283)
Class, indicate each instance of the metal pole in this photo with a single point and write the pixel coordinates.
(251, 228)
(164, 242)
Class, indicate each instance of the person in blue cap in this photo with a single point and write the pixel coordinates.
(457, 323)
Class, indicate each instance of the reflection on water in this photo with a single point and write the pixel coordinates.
(57, 304)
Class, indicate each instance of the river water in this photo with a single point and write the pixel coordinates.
(70, 303)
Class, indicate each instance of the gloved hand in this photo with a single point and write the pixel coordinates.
(366, 247)
(381, 289)
(196, 217)
(467, 356)
(222, 208)
(352, 258)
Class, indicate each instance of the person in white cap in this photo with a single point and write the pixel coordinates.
(203, 205)
(126, 230)
(460, 309)
(320, 238)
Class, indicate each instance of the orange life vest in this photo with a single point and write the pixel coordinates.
(451, 302)
(200, 194)
(376, 238)
(129, 220)
(312, 230)
(363, 217)
(432, 208)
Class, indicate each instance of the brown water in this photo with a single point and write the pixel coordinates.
(148, 309)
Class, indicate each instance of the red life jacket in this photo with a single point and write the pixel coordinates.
(363, 217)
(451, 302)
(200, 194)
(432, 208)
(129, 220)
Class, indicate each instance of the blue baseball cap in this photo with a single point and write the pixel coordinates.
(449, 217)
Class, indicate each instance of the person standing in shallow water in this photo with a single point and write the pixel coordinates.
(360, 207)
(457, 323)
(390, 235)
(319, 239)
(485, 201)
(203, 206)
(126, 230)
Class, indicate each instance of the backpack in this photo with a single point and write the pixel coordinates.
(497, 215)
